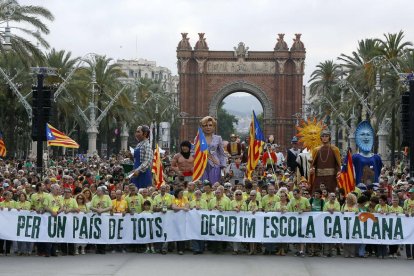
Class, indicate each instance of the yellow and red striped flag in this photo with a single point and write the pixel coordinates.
(3, 150)
(347, 178)
(200, 155)
(59, 139)
(157, 168)
(256, 142)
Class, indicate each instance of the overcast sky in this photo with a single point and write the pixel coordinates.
(151, 29)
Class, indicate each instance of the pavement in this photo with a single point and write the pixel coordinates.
(197, 265)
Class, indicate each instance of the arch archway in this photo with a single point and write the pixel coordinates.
(241, 86)
(275, 78)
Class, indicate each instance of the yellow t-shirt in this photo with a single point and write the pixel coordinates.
(180, 202)
(409, 206)
(238, 205)
(134, 203)
(8, 204)
(54, 203)
(26, 205)
(395, 210)
(335, 206)
(119, 206)
(223, 203)
(101, 202)
(207, 197)
(70, 204)
(201, 204)
(269, 203)
(39, 200)
(280, 207)
(296, 205)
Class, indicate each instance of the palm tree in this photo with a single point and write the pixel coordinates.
(14, 121)
(393, 48)
(324, 78)
(360, 73)
(24, 20)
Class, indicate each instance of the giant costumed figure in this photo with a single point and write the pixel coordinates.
(309, 135)
(326, 164)
(367, 164)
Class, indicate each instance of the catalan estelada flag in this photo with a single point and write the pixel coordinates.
(59, 139)
(347, 178)
(256, 142)
(157, 169)
(3, 150)
(200, 155)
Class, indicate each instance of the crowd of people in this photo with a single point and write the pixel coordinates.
(80, 184)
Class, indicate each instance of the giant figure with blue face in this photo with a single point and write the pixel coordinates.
(367, 164)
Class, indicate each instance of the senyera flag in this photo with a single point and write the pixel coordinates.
(59, 139)
(347, 177)
(157, 169)
(200, 155)
(3, 150)
(256, 142)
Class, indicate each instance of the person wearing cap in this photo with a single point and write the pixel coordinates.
(234, 147)
(183, 162)
(292, 155)
(326, 164)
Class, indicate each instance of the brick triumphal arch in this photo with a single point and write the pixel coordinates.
(275, 78)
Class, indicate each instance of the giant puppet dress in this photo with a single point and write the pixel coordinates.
(366, 164)
(143, 161)
(327, 163)
(216, 160)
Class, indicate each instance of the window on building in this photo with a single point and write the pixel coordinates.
(131, 73)
(146, 75)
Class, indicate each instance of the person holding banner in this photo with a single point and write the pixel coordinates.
(143, 156)
(101, 203)
(180, 203)
(409, 212)
(299, 204)
(9, 204)
(216, 155)
(198, 204)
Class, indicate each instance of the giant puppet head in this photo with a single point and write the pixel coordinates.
(364, 137)
(309, 132)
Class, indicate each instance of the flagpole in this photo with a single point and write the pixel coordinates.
(273, 169)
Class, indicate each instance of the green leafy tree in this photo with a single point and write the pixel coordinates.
(27, 27)
(225, 122)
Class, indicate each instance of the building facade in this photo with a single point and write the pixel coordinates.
(146, 69)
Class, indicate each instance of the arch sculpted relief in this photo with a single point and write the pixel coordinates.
(241, 67)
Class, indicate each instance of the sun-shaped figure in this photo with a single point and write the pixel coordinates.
(309, 133)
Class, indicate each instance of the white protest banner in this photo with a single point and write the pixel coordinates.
(313, 227)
